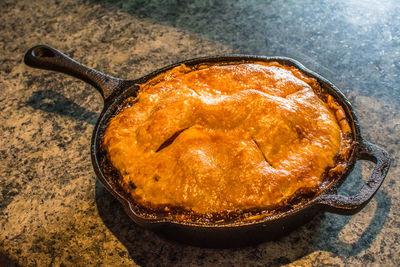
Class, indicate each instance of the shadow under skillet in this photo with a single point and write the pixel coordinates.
(51, 101)
(321, 233)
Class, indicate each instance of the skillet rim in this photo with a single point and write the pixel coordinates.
(112, 103)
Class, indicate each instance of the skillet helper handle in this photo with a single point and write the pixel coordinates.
(350, 205)
(46, 57)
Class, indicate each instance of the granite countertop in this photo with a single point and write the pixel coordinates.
(53, 210)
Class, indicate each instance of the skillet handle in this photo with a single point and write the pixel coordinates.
(350, 205)
(49, 58)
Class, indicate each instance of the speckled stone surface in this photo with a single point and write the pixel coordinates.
(53, 210)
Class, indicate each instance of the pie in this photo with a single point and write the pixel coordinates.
(229, 137)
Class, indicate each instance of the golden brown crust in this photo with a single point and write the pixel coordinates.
(227, 138)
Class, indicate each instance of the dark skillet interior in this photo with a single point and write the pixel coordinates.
(209, 233)
(111, 175)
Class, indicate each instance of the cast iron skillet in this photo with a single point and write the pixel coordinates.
(115, 91)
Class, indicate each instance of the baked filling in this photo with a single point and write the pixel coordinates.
(227, 138)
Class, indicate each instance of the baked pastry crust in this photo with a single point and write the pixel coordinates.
(229, 137)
